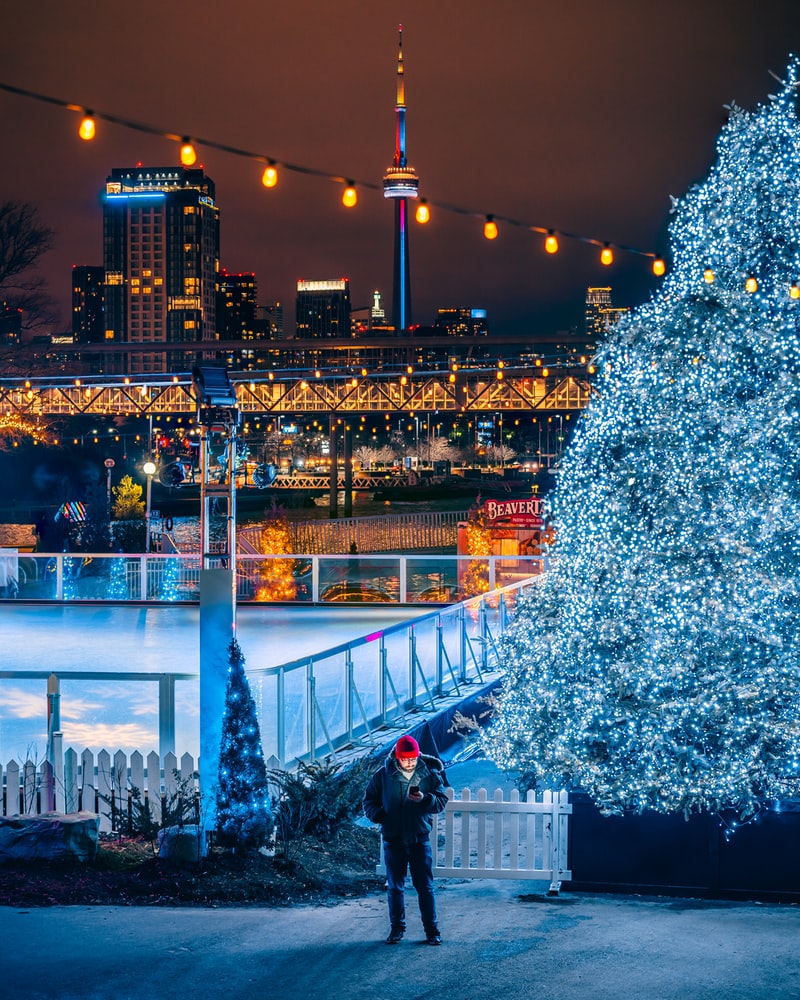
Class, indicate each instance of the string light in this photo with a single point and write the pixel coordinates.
(188, 152)
(607, 255)
(794, 292)
(659, 267)
(708, 276)
(490, 228)
(86, 129)
(269, 176)
(350, 195)
(751, 285)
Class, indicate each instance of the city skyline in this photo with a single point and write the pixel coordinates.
(582, 120)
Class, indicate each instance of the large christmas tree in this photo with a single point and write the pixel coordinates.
(658, 665)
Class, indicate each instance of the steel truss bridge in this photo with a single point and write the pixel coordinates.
(465, 391)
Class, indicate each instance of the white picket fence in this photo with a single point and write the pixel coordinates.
(95, 784)
(507, 839)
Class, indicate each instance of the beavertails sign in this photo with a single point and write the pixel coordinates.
(524, 513)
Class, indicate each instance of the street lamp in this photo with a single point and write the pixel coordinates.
(149, 469)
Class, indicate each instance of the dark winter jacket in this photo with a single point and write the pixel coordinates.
(386, 799)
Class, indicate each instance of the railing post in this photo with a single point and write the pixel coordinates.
(382, 686)
(412, 672)
(143, 578)
(312, 711)
(404, 579)
(492, 572)
(349, 701)
(59, 578)
(280, 722)
(166, 714)
(439, 641)
(484, 631)
(315, 579)
(462, 642)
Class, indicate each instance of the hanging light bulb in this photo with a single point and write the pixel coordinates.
(270, 176)
(423, 213)
(606, 255)
(350, 195)
(86, 129)
(551, 243)
(659, 267)
(188, 152)
(751, 285)
(708, 276)
(794, 292)
(490, 228)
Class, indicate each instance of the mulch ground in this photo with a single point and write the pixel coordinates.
(126, 872)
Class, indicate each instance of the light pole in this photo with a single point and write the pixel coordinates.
(149, 469)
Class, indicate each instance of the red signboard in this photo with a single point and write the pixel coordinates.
(525, 512)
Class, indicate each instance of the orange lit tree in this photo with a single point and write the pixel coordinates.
(275, 577)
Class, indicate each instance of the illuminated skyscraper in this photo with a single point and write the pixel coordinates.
(600, 314)
(400, 182)
(88, 321)
(323, 309)
(161, 258)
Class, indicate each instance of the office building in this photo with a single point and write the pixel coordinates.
(161, 258)
(462, 322)
(600, 313)
(88, 313)
(323, 309)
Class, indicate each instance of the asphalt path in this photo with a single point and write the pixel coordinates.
(501, 940)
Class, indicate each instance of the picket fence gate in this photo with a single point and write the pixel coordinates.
(107, 786)
(502, 838)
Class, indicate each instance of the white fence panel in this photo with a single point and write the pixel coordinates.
(499, 838)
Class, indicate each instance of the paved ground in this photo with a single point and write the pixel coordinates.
(500, 941)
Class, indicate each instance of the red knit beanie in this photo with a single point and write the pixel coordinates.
(406, 748)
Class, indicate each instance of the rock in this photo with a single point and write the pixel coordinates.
(49, 837)
(182, 845)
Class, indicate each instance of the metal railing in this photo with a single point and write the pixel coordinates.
(313, 707)
(303, 579)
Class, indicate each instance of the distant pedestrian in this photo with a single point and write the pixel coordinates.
(402, 796)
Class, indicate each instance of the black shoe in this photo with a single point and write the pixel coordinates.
(395, 935)
(433, 937)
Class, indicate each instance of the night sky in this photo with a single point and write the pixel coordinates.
(577, 115)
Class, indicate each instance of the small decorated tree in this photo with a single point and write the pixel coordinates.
(244, 817)
(276, 580)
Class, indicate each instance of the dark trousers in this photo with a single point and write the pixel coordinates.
(399, 859)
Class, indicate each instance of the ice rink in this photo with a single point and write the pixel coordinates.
(124, 715)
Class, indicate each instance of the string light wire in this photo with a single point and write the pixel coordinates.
(275, 163)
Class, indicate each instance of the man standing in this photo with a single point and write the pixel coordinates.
(402, 796)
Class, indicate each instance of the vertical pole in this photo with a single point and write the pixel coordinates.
(53, 726)
(334, 480)
(347, 453)
(166, 714)
(281, 719)
(350, 686)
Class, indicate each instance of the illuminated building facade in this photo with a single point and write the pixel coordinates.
(323, 309)
(236, 306)
(88, 314)
(161, 258)
(400, 182)
(600, 313)
(462, 322)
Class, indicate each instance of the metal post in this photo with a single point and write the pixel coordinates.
(166, 714)
(349, 700)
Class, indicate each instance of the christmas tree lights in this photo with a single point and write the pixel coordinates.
(244, 817)
(657, 666)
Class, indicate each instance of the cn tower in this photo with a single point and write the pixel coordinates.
(400, 182)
